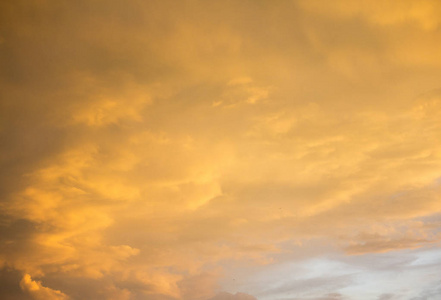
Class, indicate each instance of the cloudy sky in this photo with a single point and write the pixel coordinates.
(220, 150)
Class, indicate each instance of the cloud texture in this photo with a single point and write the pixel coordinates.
(194, 150)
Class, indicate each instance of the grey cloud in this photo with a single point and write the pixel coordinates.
(386, 297)
(312, 286)
(229, 296)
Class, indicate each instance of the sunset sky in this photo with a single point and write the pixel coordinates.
(220, 150)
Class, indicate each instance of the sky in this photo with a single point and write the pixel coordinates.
(220, 150)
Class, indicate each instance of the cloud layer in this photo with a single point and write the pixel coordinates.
(219, 150)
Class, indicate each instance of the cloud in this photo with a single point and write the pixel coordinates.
(329, 296)
(229, 296)
(312, 286)
(242, 91)
(159, 150)
(37, 291)
(10, 284)
(386, 296)
(200, 286)
(388, 13)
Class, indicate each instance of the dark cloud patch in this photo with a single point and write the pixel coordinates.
(10, 285)
(229, 296)
(329, 296)
(386, 297)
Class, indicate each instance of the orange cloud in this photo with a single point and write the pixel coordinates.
(177, 150)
